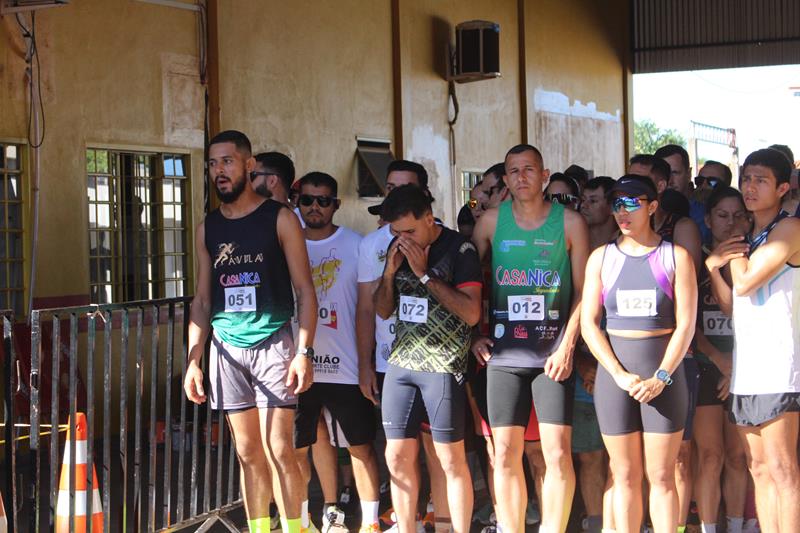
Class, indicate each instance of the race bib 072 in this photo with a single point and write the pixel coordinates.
(239, 299)
(413, 309)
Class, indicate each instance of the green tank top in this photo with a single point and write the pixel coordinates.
(531, 289)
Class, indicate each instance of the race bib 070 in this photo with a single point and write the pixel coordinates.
(413, 309)
(528, 307)
(636, 302)
(716, 324)
(238, 299)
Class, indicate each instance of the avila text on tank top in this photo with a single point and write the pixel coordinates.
(251, 290)
(531, 289)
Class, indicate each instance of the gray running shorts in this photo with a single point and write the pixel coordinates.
(757, 409)
(242, 378)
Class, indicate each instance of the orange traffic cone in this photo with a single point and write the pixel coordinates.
(81, 499)
(3, 519)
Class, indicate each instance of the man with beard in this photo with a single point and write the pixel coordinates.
(273, 176)
(250, 253)
(333, 251)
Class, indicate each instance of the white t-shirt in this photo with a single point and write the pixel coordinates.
(334, 268)
(766, 326)
(296, 211)
(371, 260)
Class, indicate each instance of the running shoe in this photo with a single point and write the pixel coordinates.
(532, 515)
(274, 517)
(751, 526)
(395, 527)
(484, 515)
(311, 527)
(333, 520)
(388, 518)
(372, 528)
(491, 528)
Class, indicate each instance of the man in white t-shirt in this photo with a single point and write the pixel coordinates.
(333, 254)
(765, 300)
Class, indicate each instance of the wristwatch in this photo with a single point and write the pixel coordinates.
(308, 351)
(425, 278)
(663, 375)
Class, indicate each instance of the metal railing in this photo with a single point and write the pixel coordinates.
(163, 463)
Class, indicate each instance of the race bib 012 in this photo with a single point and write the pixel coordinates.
(413, 309)
(527, 307)
(240, 299)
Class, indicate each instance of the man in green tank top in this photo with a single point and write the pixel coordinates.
(538, 255)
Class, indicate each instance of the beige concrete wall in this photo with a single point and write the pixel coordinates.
(305, 78)
(114, 72)
(308, 77)
(489, 120)
(575, 74)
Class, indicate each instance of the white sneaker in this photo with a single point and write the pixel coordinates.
(751, 526)
(395, 527)
(333, 520)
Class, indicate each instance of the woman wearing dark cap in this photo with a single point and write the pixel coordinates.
(647, 288)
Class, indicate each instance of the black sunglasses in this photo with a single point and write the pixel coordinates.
(712, 182)
(254, 175)
(323, 201)
(562, 198)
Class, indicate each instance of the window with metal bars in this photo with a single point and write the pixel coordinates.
(12, 275)
(469, 178)
(137, 225)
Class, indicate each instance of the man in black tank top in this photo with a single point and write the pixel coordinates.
(250, 253)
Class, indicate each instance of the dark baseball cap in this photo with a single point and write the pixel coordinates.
(375, 209)
(635, 185)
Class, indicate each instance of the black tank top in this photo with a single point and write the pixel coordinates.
(251, 289)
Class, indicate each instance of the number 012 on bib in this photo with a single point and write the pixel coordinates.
(526, 307)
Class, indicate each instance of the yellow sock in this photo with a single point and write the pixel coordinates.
(259, 525)
(681, 529)
(291, 525)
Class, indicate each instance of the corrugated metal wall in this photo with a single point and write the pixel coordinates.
(674, 35)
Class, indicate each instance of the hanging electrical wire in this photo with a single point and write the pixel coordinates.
(32, 60)
(451, 122)
(202, 47)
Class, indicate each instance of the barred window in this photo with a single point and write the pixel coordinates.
(469, 178)
(137, 225)
(12, 275)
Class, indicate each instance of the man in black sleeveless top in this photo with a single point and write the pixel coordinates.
(250, 253)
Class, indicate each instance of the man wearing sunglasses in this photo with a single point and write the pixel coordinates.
(273, 177)
(333, 252)
(538, 253)
(496, 190)
(712, 174)
(250, 255)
